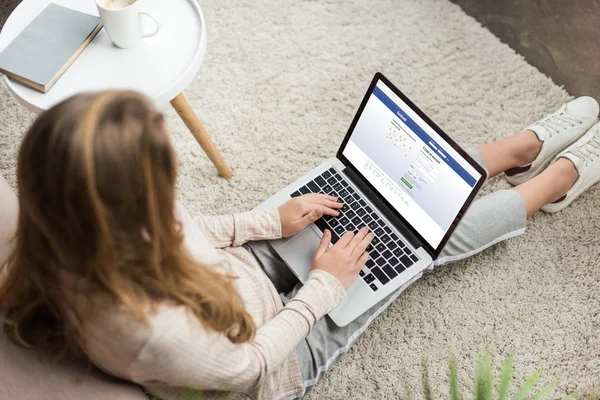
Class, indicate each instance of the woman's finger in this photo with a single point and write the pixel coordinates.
(330, 211)
(364, 243)
(327, 203)
(360, 235)
(309, 217)
(362, 260)
(307, 208)
(318, 196)
(324, 245)
(345, 239)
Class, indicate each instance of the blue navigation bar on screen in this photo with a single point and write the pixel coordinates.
(433, 145)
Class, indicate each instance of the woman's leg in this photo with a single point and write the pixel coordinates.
(520, 149)
(548, 186)
(513, 151)
(503, 214)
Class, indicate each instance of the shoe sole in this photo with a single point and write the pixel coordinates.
(556, 207)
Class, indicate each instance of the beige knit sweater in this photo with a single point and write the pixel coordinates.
(174, 356)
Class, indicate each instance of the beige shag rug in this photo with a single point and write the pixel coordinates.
(278, 89)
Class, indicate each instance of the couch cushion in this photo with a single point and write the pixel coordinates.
(27, 375)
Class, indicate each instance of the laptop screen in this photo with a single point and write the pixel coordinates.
(404, 158)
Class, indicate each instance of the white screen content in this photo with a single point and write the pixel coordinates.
(410, 165)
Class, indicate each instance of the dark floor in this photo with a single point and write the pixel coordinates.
(6, 7)
(559, 37)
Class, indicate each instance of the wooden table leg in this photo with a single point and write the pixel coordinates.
(189, 117)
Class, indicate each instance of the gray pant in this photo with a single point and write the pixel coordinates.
(490, 219)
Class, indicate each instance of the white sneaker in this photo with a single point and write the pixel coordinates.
(557, 131)
(585, 155)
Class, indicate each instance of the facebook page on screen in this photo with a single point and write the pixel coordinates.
(418, 172)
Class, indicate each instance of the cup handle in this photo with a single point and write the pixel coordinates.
(149, 34)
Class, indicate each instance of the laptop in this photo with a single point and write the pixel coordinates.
(401, 175)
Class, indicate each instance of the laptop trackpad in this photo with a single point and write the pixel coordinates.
(298, 252)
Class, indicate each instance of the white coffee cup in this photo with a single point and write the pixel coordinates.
(122, 21)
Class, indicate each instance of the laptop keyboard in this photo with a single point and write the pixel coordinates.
(389, 255)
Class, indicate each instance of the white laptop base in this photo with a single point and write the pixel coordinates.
(298, 251)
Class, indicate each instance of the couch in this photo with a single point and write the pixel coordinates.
(28, 375)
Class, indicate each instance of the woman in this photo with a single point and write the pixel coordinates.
(106, 264)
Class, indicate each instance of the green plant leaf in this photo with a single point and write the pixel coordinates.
(546, 390)
(453, 376)
(483, 378)
(505, 377)
(528, 385)
(425, 379)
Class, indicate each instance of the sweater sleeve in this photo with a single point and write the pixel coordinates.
(181, 352)
(236, 229)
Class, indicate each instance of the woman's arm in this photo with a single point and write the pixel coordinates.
(290, 218)
(234, 230)
(180, 352)
(230, 230)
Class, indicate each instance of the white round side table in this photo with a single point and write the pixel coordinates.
(160, 68)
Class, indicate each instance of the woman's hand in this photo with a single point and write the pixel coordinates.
(299, 212)
(346, 258)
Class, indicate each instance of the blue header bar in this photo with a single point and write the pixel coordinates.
(433, 145)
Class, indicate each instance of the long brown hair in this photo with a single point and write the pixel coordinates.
(96, 181)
